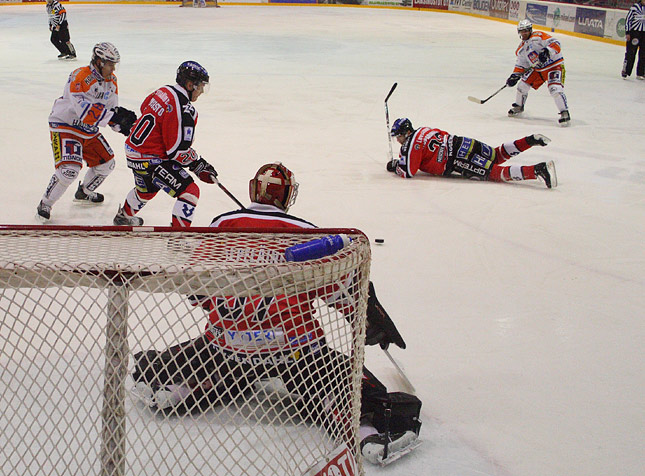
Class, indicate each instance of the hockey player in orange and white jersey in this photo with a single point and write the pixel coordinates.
(539, 60)
(89, 101)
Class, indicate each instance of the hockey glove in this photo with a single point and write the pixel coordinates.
(380, 328)
(513, 79)
(544, 56)
(391, 166)
(205, 171)
(122, 120)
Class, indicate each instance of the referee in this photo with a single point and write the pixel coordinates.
(635, 34)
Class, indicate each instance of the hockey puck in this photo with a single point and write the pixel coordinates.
(379, 241)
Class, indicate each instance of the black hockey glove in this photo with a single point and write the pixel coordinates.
(380, 328)
(513, 79)
(122, 120)
(205, 171)
(544, 56)
(391, 166)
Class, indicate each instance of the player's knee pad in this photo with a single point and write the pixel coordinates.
(398, 412)
(556, 89)
(523, 88)
(67, 173)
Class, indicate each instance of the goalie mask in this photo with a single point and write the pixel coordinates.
(274, 184)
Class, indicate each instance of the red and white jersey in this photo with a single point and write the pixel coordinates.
(528, 53)
(426, 149)
(166, 127)
(86, 103)
(261, 325)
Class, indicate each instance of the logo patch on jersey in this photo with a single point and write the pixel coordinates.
(72, 151)
(188, 133)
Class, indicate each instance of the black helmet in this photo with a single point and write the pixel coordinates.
(191, 71)
(401, 126)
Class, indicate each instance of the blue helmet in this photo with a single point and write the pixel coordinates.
(401, 127)
(191, 71)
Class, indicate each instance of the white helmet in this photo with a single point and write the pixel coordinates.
(106, 52)
(524, 25)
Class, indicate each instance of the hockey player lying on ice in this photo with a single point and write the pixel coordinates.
(437, 152)
(216, 368)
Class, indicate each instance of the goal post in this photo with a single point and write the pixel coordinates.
(80, 307)
(199, 3)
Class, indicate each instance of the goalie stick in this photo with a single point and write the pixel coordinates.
(399, 370)
(387, 120)
(482, 101)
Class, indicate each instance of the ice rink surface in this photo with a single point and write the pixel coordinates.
(522, 307)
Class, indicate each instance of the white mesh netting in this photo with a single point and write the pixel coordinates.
(93, 379)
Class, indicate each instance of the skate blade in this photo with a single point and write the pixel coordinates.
(42, 219)
(145, 397)
(393, 457)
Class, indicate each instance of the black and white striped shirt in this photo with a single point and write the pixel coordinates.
(57, 13)
(635, 20)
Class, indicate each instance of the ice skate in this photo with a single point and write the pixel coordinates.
(70, 57)
(398, 444)
(538, 139)
(546, 171)
(515, 110)
(90, 197)
(171, 396)
(62, 55)
(641, 77)
(43, 212)
(122, 219)
(565, 117)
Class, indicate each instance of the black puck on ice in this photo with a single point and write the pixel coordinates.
(380, 241)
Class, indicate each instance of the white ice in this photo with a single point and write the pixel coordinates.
(522, 307)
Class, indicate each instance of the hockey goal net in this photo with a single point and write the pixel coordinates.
(199, 3)
(80, 306)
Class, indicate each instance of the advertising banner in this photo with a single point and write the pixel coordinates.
(536, 13)
(561, 17)
(434, 4)
(481, 7)
(590, 21)
(499, 8)
(461, 5)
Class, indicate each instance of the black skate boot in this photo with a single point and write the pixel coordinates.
(90, 197)
(546, 171)
(565, 117)
(515, 110)
(43, 212)
(121, 219)
(537, 139)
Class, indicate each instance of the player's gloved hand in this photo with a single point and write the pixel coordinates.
(205, 171)
(513, 79)
(122, 120)
(544, 56)
(391, 165)
(380, 328)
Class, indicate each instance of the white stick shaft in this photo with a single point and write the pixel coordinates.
(400, 372)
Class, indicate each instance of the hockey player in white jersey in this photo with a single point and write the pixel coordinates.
(539, 61)
(89, 101)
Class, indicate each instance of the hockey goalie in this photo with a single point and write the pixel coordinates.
(252, 339)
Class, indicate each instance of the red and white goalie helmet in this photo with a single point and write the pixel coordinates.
(274, 184)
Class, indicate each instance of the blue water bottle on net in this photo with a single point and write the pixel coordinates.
(318, 248)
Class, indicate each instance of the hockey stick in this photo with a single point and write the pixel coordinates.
(230, 195)
(482, 101)
(399, 370)
(387, 120)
